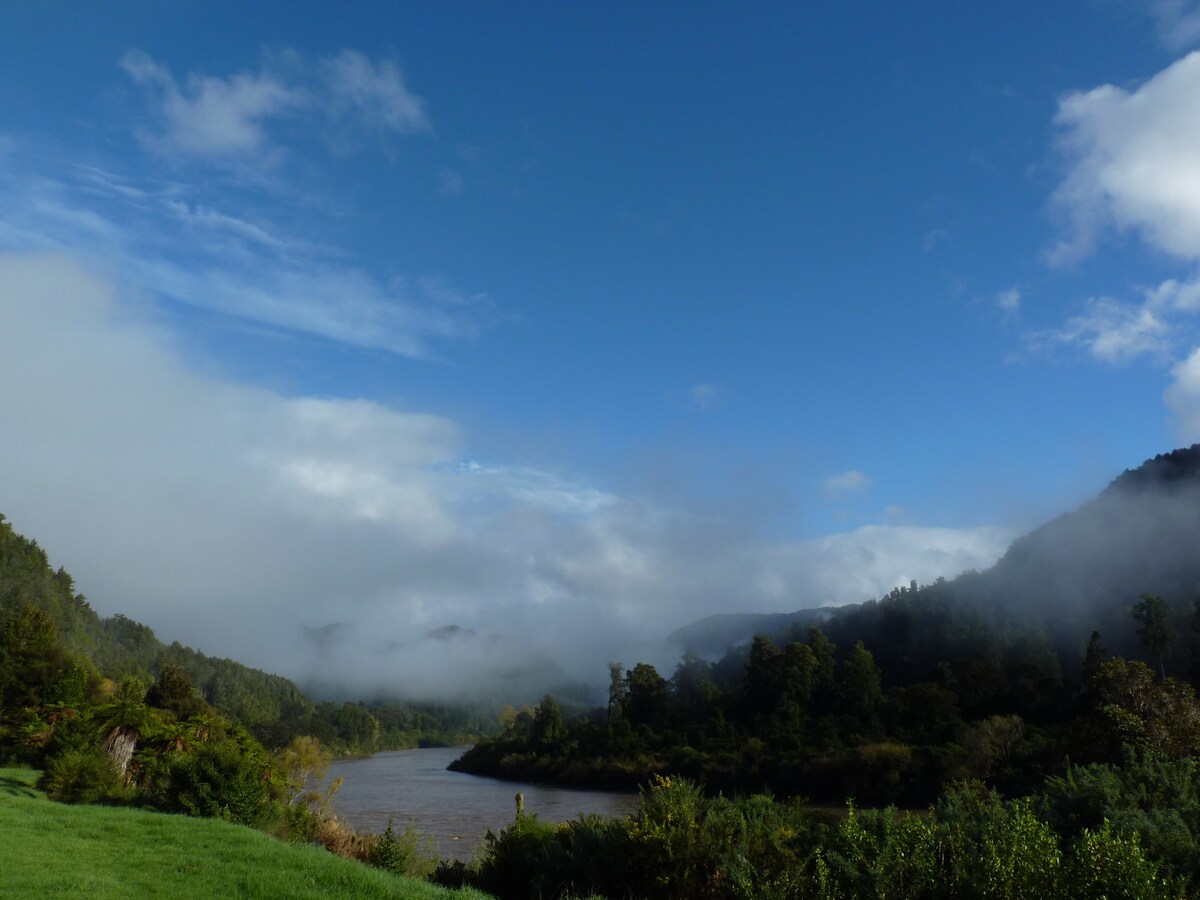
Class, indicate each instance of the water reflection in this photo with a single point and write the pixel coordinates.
(452, 808)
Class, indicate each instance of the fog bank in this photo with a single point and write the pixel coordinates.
(245, 522)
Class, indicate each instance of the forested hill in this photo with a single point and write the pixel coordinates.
(1064, 579)
(270, 706)
(1082, 644)
(1081, 571)
(1140, 534)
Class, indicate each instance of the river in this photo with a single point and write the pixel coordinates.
(451, 808)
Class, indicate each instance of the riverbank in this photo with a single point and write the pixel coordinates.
(53, 850)
(452, 810)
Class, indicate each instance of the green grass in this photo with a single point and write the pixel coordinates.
(53, 850)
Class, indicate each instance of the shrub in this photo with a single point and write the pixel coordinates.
(401, 854)
(515, 861)
(1107, 864)
(79, 775)
(218, 780)
(1151, 796)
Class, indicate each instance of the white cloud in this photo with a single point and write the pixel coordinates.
(230, 517)
(1134, 163)
(707, 396)
(1111, 331)
(1133, 167)
(216, 118)
(375, 92)
(871, 560)
(1178, 22)
(1183, 396)
(193, 251)
(1009, 301)
(851, 482)
(1175, 296)
(450, 182)
(213, 117)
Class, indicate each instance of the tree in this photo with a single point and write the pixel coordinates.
(547, 721)
(649, 697)
(304, 760)
(762, 685)
(616, 691)
(1194, 643)
(174, 691)
(823, 650)
(1139, 710)
(1093, 656)
(123, 722)
(692, 686)
(1154, 627)
(862, 683)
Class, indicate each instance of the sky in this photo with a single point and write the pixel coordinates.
(572, 324)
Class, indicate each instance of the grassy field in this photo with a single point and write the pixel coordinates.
(52, 850)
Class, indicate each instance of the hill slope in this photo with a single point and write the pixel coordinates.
(1078, 573)
(52, 850)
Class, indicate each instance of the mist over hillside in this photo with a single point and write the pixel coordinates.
(1080, 572)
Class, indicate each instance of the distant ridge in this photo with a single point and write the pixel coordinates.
(1076, 573)
(713, 634)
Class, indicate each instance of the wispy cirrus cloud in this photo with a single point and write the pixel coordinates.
(1177, 22)
(180, 241)
(208, 116)
(1110, 331)
(849, 482)
(706, 395)
(373, 92)
(1009, 301)
(216, 118)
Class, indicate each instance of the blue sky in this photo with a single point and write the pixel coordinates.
(581, 319)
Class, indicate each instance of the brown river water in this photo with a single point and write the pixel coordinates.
(451, 808)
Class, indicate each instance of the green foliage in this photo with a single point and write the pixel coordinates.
(174, 691)
(80, 775)
(547, 722)
(1110, 865)
(517, 861)
(1154, 630)
(400, 854)
(220, 781)
(683, 844)
(1150, 796)
(1137, 709)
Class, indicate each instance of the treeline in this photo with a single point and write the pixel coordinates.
(1127, 832)
(808, 717)
(111, 715)
(271, 708)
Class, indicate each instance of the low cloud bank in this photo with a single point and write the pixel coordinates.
(246, 523)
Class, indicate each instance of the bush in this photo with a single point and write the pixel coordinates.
(516, 861)
(401, 854)
(1151, 796)
(1106, 864)
(79, 775)
(218, 780)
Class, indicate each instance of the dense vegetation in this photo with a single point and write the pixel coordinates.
(955, 694)
(801, 720)
(270, 707)
(988, 676)
(972, 845)
(1029, 759)
(111, 715)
